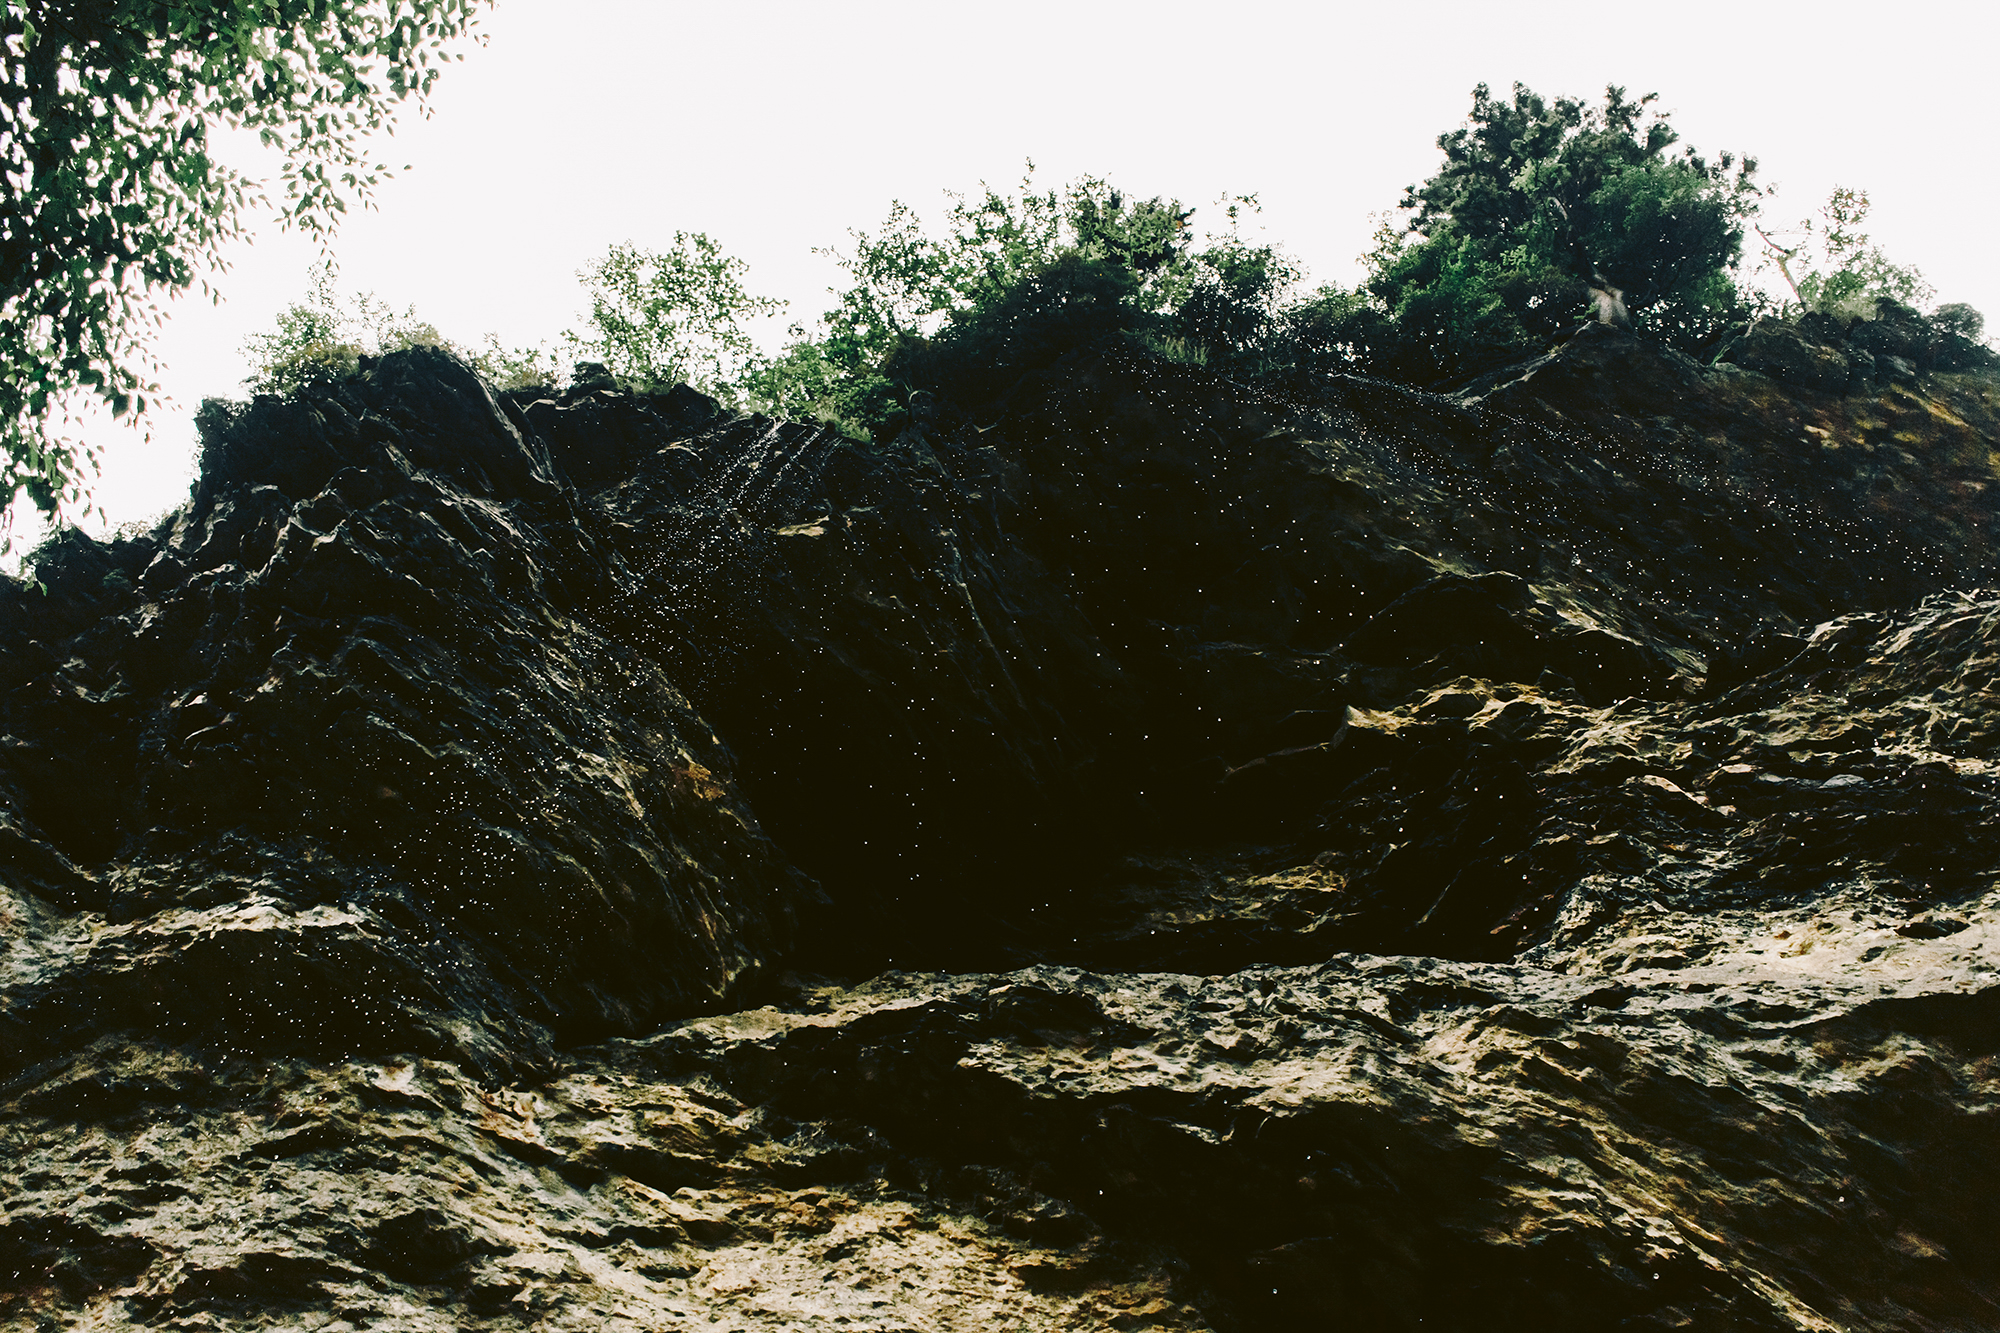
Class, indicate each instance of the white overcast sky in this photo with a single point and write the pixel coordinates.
(776, 126)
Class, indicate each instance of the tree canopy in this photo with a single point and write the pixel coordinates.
(1540, 209)
(113, 198)
(667, 316)
(1537, 201)
(1013, 279)
(1833, 268)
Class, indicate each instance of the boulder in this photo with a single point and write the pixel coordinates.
(1896, 370)
(1786, 352)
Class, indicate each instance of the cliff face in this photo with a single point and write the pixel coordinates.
(1519, 860)
(356, 755)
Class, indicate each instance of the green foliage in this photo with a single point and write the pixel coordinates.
(1535, 201)
(507, 368)
(817, 379)
(1335, 329)
(1455, 308)
(1229, 294)
(1956, 317)
(321, 339)
(907, 282)
(656, 318)
(114, 198)
(311, 345)
(1073, 300)
(1013, 280)
(1834, 269)
(664, 317)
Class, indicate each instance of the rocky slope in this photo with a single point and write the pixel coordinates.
(1141, 854)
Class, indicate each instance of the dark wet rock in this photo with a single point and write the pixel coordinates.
(928, 706)
(1517, 860)
(1790, 354)
(367, 762)
(1886, 343)
(1490, 627)
(598, 436)
(1896, 370)
(1383, 1140)
(1897, 332)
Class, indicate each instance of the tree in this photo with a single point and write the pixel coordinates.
(655, 318)
(112, 199)
(1838, 269)
(663, 317)
(1537, 202)
(322, 337)
(1228, 294)
(1013, 279)
(1956, 317)
(908, 284)
(312, 345)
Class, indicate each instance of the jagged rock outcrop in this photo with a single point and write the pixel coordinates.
(1854, 351)
(1367, 859)
(352, 754)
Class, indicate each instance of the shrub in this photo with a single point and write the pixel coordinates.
(1961, 319)
(665, 317)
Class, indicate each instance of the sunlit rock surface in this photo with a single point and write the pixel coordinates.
(1359, 859)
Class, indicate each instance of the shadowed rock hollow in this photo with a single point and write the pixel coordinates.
(1357, 860)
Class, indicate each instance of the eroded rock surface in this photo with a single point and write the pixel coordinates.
(352, 754)
(1362, 860)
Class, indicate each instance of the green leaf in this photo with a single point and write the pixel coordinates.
(136, 208)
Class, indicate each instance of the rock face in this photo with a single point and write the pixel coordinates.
(355, 753)
(1854, 351)
(1371, 860)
